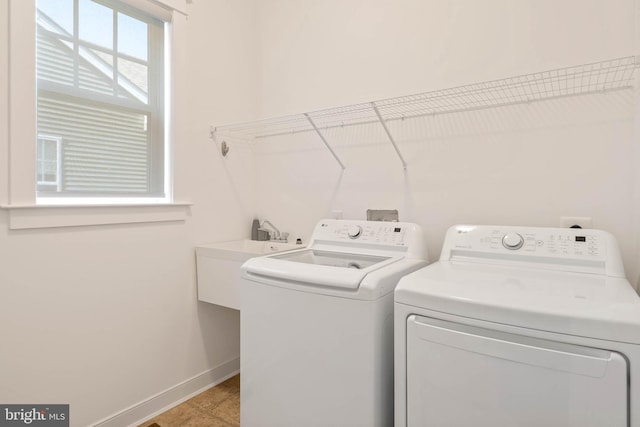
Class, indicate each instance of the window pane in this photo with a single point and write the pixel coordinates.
(50, 168)
(133, 79)
(105, 151)
(54, 59)
(98, 134)
(96, 23)
(132, 36)
(95, 71)
(56, 16)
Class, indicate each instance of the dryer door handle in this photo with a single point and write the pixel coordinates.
(579, 360)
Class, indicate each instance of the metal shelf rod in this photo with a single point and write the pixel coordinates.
(386, 129)
(335, 156)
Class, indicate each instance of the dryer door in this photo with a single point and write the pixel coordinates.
(463, 376)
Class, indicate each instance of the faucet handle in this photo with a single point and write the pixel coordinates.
(263, 234)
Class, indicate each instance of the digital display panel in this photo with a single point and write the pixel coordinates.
(396, 230)
(581, 239)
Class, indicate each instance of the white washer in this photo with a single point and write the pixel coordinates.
(518, 326)
(317, 326)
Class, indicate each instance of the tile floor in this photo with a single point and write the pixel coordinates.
(217, 407)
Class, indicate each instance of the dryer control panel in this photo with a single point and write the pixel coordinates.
(561, 248)
(581, 244)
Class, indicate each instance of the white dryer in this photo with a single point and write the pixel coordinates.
(317, 326)
(518, 326)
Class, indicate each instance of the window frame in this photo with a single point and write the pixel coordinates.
(18, 129)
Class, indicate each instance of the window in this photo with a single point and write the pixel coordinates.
(48, 163)
(100, 101)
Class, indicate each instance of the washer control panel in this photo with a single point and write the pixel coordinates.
(547, 242)
(396, 239)
(377, 232)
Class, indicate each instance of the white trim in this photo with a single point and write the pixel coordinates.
(177, 5)
(161, 9)
(103, 201)
(41, 216)
(124, 204)
(173, 396)
(168, 136)
(4, 102)
(22, 102)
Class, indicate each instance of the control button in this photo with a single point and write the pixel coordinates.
(512, 241)
(354, 231)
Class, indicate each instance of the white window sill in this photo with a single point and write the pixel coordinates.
(51, 216)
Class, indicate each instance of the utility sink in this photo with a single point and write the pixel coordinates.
(218, 268)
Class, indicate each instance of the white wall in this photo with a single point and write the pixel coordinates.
(330, 53)
(106, 317)
(522, 165)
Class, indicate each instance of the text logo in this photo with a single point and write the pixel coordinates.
(34, 415)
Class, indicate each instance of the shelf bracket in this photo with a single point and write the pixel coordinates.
(335, 156)
(386, 129)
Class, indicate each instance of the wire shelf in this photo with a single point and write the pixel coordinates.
(604, 76)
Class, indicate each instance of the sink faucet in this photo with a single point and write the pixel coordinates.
(275, 235)
(276, 232)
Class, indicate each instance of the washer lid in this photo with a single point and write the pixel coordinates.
(333, 259)
(310, 267)
(588, 305)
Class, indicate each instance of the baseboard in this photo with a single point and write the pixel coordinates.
(173, 396)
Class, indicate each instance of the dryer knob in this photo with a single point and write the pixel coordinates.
(354, 231)
(512, 241)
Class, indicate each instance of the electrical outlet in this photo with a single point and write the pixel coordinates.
(582, 221)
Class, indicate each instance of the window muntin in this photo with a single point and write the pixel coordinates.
(101, 98)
